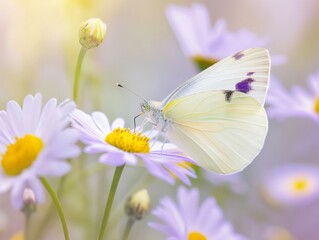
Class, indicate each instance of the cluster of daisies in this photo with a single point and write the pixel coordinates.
(38, 140)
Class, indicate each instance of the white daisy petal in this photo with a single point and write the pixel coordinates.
(37, 188)
(101, 122)
(15, 117)
(31, 111)
(112, 159)
(54, 168)
(118, 123)
(17, 194)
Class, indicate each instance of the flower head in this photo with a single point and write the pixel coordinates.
(188, 221)
(205, 44)
(120, 145)
(92, 33)
(292, 185)
(298, 102)
(34, 143)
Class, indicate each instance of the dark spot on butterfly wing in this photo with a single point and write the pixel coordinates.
(238, 55)
(228, 95)
(250, 73)
(245, 85)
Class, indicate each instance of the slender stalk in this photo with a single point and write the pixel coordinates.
(77, 73)
(109, 202)
(58, 206)
(27, 225)
(129, 224)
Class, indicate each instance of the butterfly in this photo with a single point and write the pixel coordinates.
(217, 117)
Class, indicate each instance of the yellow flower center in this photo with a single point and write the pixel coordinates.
(301, 185)
(133, 142)
(21, 154)
(316, 105)
(196, 236)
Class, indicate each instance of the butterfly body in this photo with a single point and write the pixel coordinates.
(217, 117)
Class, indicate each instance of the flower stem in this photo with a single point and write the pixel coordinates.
(27, 225)
(109, 202)
(77, 73)
(128, 228)
(58, 206)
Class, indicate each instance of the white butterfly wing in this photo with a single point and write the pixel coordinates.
(220, 135)
(246, 71)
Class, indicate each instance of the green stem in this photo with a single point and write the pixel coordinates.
(58, 206)
(109, 202)
(128, 228)
(77, 73)
(27, 225)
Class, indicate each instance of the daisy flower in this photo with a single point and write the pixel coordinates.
(292, 185)
(298, 102)
(34, 142)
(120, 146)
(186, 220)
(206, 44)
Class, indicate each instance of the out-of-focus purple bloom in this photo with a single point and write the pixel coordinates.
(297, 102)
(198, 39)
(292, 185)
(187, 220)
(119, 146)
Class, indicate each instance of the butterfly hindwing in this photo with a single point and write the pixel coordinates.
(219, 134)
(246, 71)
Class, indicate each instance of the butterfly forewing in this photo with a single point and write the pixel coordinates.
(247, 71)
(219, 134)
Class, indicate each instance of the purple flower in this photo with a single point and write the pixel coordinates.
(292, 185)
(120, 145)
(187, 220)
(199, 40)
(297, 102)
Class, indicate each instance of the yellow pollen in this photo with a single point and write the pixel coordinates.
(196, 236)
(21, 154)
(128, 141)
(316, 105)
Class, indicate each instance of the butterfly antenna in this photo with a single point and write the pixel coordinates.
(130, 91)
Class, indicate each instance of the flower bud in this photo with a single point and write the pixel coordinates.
(138, 205)
(29, 201)
(92, 33)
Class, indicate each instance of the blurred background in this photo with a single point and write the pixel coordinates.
(38, 51)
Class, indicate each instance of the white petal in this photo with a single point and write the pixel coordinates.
(112, 159)
(54, 168)
(118, 123)
(31, 111)
(15, 118)
(101, 122)
(17, 194)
